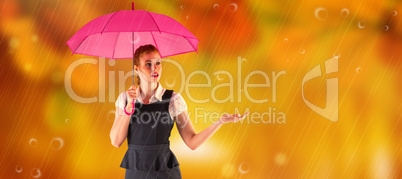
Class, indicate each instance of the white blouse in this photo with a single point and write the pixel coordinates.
(177, 104)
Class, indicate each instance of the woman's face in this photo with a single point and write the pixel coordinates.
(150, 67)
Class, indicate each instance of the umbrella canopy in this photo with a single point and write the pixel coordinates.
(117, 35)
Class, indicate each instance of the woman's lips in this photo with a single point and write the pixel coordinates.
(155, 75)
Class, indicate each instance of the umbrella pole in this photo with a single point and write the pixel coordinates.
(133, 71)
(132, 112)
(132, 7)
(133, 54)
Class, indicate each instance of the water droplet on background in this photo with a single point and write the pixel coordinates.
(173, 82)
(33, 142)
(358, 70)
(35, 172)
(216, 7)
(181, 6)
(321, 13)
(219, 78)
(361, 24)
(137, 39)
(394, 13)
(344, 12)
(56, 143)
(386, 28)
(18, 168)
(232, 7)
(286, 40)
(244, 168)
(112, 62)
(302, 51)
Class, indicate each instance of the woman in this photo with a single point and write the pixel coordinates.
(148, 129)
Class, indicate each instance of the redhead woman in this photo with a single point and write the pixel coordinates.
(146, 116)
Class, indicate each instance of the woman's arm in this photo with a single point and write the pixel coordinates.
(119, 130)
(193, 140)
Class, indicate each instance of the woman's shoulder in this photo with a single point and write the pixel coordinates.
(176, 96)
(178, 103)
(122, 95)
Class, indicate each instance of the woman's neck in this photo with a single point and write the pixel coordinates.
(148, 89)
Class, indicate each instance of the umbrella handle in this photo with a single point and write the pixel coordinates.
(127, 112)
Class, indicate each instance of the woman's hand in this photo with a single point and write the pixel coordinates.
(232, 118)
(131, 94)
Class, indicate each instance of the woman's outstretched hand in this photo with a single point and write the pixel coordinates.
(232, 118)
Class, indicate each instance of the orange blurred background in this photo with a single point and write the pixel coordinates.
(46, 133)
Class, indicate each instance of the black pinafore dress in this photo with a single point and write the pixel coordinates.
(148, 154)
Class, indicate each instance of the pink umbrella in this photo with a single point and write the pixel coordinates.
(119, 34)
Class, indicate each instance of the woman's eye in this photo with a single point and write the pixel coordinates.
(158, 63)
(148, 64)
